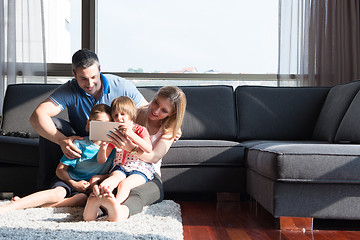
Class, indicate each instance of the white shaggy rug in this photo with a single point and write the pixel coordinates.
(158, 221)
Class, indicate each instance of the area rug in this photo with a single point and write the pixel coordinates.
(158, 221)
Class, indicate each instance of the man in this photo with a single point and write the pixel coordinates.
(88, 88)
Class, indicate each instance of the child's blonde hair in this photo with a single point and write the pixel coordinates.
(124, 104)
(99, 108)
(178, 99)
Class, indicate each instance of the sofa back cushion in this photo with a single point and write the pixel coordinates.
(278, 113)
(336, 104)
(349, 130)
(210, 112)
(19, 103)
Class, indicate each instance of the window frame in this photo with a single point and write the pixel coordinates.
(89, 41)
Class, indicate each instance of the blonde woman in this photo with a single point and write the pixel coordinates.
(162, 118)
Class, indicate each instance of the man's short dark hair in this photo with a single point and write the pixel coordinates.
(84, 58)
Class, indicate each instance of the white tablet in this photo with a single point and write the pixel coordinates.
(99, 130)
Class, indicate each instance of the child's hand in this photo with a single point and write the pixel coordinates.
(108, 185)
(126, 128)
(81, 186)
(117, 138)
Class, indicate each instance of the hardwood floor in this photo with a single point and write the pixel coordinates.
(248, 220)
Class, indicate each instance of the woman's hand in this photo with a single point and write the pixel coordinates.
(178, 135)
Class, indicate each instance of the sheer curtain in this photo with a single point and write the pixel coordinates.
(319, 42)
(22, 43)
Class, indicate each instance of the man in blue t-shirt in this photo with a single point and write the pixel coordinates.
(88, 88)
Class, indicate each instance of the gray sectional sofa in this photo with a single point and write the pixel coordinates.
(294, 150)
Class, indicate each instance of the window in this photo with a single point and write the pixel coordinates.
(62, 29)
(231, 42)
(187, 36)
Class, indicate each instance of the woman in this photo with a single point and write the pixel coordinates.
(163, 118)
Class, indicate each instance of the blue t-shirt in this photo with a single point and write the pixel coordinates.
(87, 166)
(79, 103)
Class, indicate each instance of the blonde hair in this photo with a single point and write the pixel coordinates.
(99, 108)
(124, 104)
(177, 97)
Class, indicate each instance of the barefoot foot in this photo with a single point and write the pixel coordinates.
(116, 212)
(13, 199)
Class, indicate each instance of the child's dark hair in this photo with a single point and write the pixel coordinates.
(99, 108)
(84, 58)
(126, 105)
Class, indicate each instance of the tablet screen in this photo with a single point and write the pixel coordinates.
(99, 130)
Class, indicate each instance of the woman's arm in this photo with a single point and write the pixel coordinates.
(159, 151)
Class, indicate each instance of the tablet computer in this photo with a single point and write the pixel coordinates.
(99, 130)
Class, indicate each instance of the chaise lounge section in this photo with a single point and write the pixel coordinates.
(308, 166)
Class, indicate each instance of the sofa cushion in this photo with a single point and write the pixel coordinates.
(278, 113)
(210, 112)
(334, 109)
(306, 162)
(204, 153)
(19, 103)
(204, 166)
(349, 131)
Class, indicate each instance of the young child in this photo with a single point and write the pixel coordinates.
(74, 176)
(129, 171)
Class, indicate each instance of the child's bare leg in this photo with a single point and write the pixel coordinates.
(127, 184)
(36, 199)
(91, 209)
(110, 183)
(78, 200)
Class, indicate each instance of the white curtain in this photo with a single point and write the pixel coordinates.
(22, 43)
(319, 42)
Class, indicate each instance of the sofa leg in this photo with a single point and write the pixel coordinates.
(296, 223)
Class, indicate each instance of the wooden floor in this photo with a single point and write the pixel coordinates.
(248, 220)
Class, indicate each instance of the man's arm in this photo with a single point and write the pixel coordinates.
(143, 103)
(44, 125)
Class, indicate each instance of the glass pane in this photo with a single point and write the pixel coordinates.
(218, 36)
(63, 29)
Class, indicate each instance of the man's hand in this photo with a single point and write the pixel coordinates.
(69, 148)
